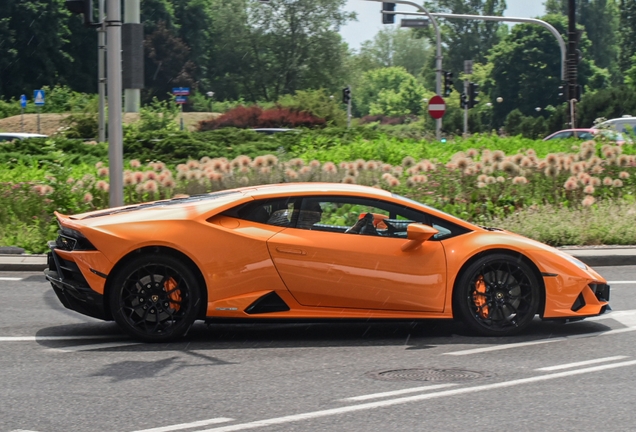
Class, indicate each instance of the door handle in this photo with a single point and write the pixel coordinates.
(291, 251)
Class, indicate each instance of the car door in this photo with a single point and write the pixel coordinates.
(323, 266)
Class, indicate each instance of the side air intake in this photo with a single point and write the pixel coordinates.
(267, 304)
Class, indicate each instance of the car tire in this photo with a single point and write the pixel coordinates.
(155, 298)
(497, 295)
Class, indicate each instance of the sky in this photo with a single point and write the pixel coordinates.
(370, 22)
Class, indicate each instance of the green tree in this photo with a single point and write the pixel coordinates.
(196, 23)
(600, 19)
(35, 48)
(266, 50)
(389, 91)
(468, 39)
(627, 33)
(526, 69)
(395, 47)
(168, 64)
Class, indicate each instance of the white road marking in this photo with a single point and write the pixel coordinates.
(503, 347)
(94, 346)
(10, 279)
(620, 282)
(539, 342)
(188, 425)
(416, 398)
(22, 430)
(625, 317)
(53, 338)
(581, 363)
(397, 392)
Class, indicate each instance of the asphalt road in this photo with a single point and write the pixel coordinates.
(60, 371)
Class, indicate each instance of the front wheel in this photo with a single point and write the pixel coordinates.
(497, 295)
(155, 298)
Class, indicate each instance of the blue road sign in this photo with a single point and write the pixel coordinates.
(181, 99)
(23, 101)
(38, 97)
(181, 91)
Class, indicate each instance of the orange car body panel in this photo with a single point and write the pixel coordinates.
(317, 274)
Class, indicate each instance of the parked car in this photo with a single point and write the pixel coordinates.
(587, 134)
(625, 124)
(10, 136)
(303, 251)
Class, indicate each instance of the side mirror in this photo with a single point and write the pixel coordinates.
(417, 234)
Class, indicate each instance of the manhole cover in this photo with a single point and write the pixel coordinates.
(434, 375)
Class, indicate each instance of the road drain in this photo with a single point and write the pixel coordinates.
(433, 375)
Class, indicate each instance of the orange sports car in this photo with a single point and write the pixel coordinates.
(309, 251)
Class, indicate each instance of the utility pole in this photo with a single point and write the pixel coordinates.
(133, 51)
(115, 133)
(101, 73)
(438, 53)
(573, 60)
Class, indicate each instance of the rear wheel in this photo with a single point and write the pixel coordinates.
(497, 295)
(155, 298)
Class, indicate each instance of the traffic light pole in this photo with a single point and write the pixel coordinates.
(544, 24)
(438, 56)
(101, 74)
(466, 109)
(115, 133)
(349, 110)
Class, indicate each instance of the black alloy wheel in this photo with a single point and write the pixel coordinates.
(155, 298)
(497, 295)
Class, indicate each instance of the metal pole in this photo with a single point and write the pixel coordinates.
(115, 133)
(544, 24)
(466, 109)
(132, 14)
(101, 77)
(38, 119)
(438, 56)
(572, 61)
(22, 120)
(349, 109)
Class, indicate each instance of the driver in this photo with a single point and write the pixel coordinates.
(309, 216)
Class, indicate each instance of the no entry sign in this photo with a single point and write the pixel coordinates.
(436, 107)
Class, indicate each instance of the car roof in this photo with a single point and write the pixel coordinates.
(312, 188)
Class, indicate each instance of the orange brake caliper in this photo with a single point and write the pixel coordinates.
(173, 294)
(479, 297)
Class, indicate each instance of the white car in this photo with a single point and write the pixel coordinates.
(10, 136)
(623, 124)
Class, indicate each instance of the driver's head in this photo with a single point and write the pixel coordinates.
(310, 215)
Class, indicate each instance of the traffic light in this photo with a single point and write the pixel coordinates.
(346, 95)
(388, 18)
(463, 103)
(448, 83)
(473, 92)
(84, 7)
(563, 92)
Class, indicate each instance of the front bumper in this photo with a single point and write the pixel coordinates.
(71, 287)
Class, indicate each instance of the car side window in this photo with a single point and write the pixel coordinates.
(278, 212)
(352, 215)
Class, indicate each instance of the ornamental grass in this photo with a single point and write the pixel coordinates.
(516, 191)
